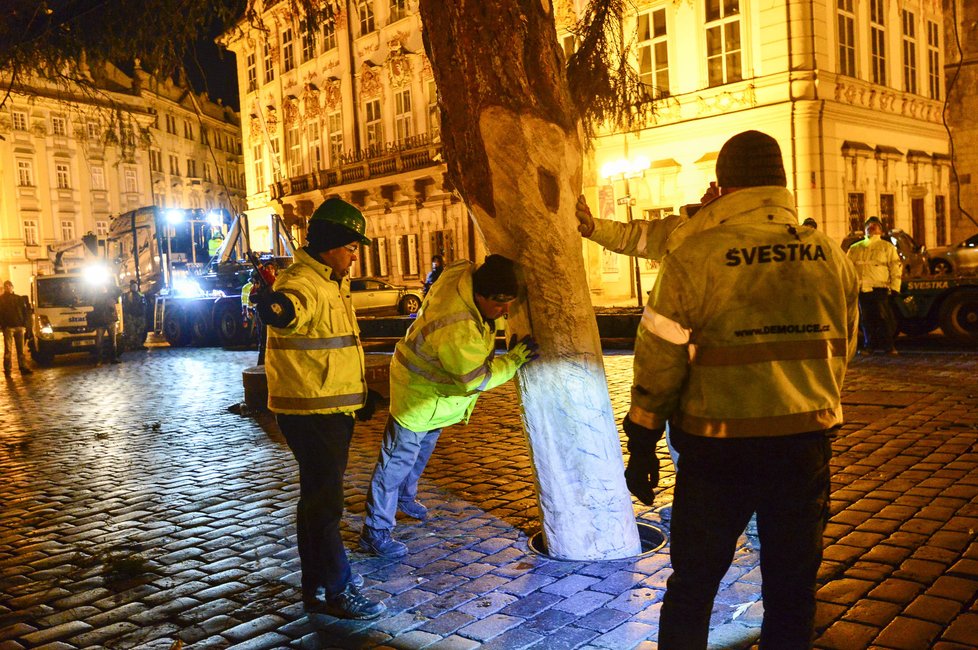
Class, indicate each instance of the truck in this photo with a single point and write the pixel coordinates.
(62, 302)
(193, 298)
(948, 302)
(928, 301)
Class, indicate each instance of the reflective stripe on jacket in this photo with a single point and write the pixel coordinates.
(750, 326)
(877, 264)
(638, 238)
(315, 365)
(446, 358)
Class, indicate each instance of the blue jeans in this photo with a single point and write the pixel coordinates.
(403, 457)
(719, 485)
(321, 445)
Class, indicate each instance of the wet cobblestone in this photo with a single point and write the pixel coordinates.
(137, 511)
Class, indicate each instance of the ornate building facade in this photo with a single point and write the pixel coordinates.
(71, 159)
(853, 90)
(349, 109)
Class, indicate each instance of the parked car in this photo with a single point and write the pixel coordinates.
(372, 294)
(959, 258)
(914, 257)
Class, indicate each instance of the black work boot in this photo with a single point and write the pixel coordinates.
(379, 542)
(349, 603)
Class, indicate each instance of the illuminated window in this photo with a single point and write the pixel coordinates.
(329, 35)
(251, 65)
(653, 53)
(288, 50)
(268, 62)
(723, 48)
(909, 52)
(877, 33)
(25, 173)
(30, 232)
(129, 177)
(259, 167)
(308, 42)
(67, 230)
(933, 60)
(293, 148)
(398, 10)
(59, 126)
(365, 11)
(98, 178)
(847, 38)
(403, 120)
(19, 120)
(335, 129)
(434, 113)
(374, 127)
(313, 140)
(101, 228)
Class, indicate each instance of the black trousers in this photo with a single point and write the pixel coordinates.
(876, 320)
(722, 482)
(321, 445)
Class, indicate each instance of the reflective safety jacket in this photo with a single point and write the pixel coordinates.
(877, 264)
(315, 365)
(750, 326)
(446, 358)
(644, 238)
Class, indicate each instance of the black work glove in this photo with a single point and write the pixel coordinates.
(366, 412)
(274, 308)
(642, 471)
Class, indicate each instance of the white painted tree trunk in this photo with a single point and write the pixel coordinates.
(513, 146)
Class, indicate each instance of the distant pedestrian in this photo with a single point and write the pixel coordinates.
(440, 367)
(880, 272)
(316, 382)
(743, 348)
(437, 266)
(15, 319)
(104, 319)
(134, 317)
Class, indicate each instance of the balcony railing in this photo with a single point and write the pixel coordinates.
(416, 152)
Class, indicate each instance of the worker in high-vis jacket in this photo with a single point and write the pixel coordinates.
(441, 366)
(315, 370)
(743, 348)
(880, 272)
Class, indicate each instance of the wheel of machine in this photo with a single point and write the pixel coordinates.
(176, 329)
(959, 316)
(229, 325)
(41, 355)
(201, 326)
(940, 267)
(410, 305)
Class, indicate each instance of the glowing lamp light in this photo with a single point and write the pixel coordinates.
(625, 168)
(96, 274)
(214, 219)
(187, 288)
(174, 216)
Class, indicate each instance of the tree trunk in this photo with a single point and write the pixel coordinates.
(512, 142)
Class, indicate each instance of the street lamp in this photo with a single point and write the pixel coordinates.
(623, 170)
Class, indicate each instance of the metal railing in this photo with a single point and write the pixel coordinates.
(377, 161)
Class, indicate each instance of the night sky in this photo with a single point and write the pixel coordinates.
(212, 69)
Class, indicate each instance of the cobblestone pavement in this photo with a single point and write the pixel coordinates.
(137, 511)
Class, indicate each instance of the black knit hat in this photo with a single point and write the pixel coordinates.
(875, 220)
(750, 159)
(496, 279)
(325, 235)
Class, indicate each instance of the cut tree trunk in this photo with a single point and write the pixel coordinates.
(513, 145)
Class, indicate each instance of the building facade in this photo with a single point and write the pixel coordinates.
(71, 159)
(349, 108)
(853, 91)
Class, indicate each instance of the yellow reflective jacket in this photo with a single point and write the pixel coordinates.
(446, 358)
(639, 238)
(750, 326)
(877, 264)
(315, 365)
